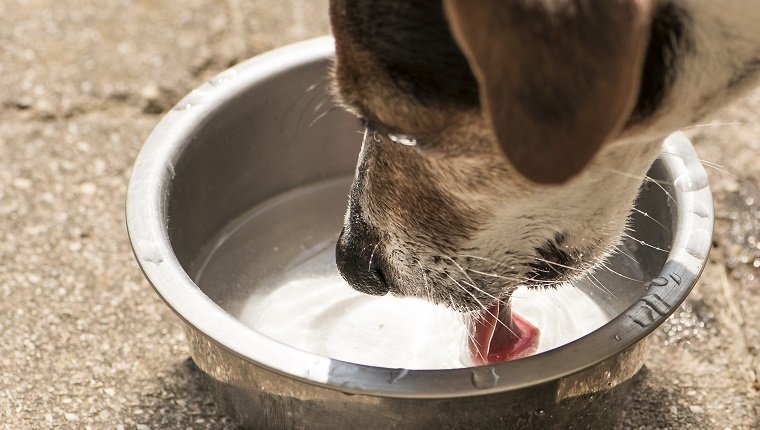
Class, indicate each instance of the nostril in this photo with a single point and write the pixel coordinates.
(361, 265)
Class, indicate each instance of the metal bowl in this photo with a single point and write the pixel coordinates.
(267, 126)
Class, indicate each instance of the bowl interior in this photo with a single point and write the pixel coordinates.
(284, 142)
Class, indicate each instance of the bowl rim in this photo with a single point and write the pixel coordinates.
(146, 216)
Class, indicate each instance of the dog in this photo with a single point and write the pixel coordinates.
(506, 140)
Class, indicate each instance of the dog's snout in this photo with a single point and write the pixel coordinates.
(360, 264)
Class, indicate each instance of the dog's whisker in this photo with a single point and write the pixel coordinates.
(618, 172)
(424, 276)
(657, 181)
(317, 83)
(477, 257)
(484, 308)
(554, 263)
(667, 193)
(312, 98)
(598, 284)
(322, 115)
(470, 336)
(609, 268)
(716, 166)
(651, 218)
(501, 301)
(369, 266)
(700, 160)
(320, 105)
(620, 249)
(498, 263)
(519, 280)
(713, 124)
(645, 243)
(458, 266)
(637, 178)
(472, 282)
(476, 288)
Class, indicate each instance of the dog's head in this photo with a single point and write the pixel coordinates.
(505, 141)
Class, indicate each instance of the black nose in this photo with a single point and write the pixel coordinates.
(360, 263)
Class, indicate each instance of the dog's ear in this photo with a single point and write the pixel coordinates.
(558, 78)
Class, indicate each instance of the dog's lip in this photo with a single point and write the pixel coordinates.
(390, 284)
(393, 288)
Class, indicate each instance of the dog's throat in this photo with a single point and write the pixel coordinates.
(497, 334)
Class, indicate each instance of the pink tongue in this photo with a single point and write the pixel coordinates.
(499, 335)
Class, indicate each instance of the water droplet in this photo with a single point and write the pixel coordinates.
(397, 374)
(693, 180)
(403, 139)
(223, 78)
(484, 377)
(170, 169)
(195, 98)
(182, 106)
(699, 244)
(155, 259)
(700, 209)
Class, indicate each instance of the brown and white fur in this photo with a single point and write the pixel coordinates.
(535, 122)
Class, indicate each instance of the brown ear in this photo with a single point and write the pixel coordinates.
(558, 78)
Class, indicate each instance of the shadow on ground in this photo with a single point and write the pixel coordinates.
(655, 405)
(183, 402)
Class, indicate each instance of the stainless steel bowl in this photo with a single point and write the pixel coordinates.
(267, 126)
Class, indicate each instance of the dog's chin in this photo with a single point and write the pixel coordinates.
(477, 292)
(468, 282)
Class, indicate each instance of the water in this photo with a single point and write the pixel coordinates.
(324, 315)
(274, 269)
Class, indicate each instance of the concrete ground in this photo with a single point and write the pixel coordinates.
(85, 342)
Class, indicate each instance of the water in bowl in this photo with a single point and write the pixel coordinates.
(274, 269)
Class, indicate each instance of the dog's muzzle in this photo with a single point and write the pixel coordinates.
(359, 260)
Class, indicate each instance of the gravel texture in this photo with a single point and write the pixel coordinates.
(85, 343)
